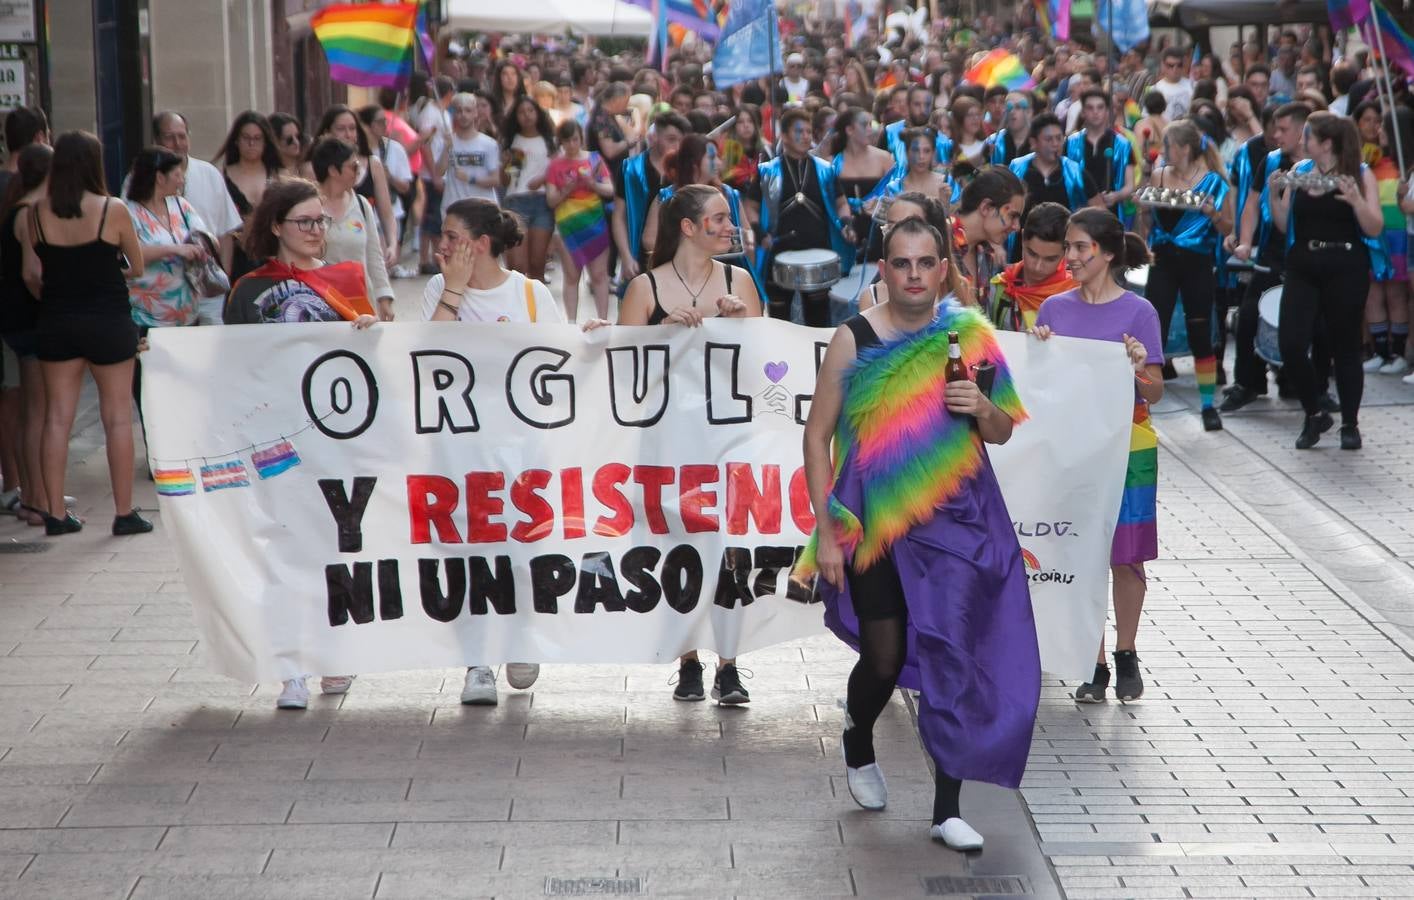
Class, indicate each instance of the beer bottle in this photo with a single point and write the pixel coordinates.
(955, 370)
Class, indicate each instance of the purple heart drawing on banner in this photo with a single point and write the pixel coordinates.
(776, 371)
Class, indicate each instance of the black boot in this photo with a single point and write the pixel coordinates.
(1350, 437)
(1311, 431)
(1128, 683)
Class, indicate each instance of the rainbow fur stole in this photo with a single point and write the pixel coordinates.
(909, 452)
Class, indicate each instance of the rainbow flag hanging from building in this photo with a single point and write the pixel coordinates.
(368, 44)
(1000, 67)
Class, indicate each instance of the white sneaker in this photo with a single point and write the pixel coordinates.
(1397, 366)
(866, 784)
(957, 834)
(335, 684)
(479, 689)
(1372, 364)
(522, 675)
(401, 272)
(294, 696)
(1408, 379)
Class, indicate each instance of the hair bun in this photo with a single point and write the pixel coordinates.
(512, 234)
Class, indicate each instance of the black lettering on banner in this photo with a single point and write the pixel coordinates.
(442, 383)
(350, 593)
(637, 567)
(598, 585)
(444, 607)
(551, 577)
(348, 514)
(732, 575)
(645, 379)
(330, 375)
(771, 560)
(498, 589)
(539, 388)
(682, 578)
(390, 590)
(802, 401)
(736, 407)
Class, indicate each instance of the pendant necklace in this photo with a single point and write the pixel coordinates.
(691, 293)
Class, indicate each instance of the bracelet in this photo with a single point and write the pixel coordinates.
(447, 290)
(448, 307)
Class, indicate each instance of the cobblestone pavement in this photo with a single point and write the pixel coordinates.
(1269, 757)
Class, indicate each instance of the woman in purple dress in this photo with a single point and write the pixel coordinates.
(1097, 252)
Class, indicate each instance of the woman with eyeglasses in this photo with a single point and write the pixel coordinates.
(250, 157)
(353, 229)
(289, 140)
(372, 184)
(294, 284)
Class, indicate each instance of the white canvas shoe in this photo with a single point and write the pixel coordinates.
(335, 684)
(294, 696)
(522, 675)
(957, 834)
(866, 784)
(479, 689)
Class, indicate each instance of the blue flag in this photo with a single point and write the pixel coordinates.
(1131, 21)
(747, 47)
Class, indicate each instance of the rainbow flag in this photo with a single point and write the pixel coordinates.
(705, 17)
(275, 459)
(1347, 13)
(1000, 67)
(217, 476)
(1398, 46)
(368, 44)
(174, 482)
(580, 218)
(1054, 17)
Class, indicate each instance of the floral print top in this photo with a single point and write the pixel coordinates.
(162, 296)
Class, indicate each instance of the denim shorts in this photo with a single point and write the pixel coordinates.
(533, 209)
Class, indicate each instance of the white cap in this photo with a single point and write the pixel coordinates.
(795, 59)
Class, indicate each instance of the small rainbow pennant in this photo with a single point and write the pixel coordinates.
(174, 482)
(275, 459)
(218, 476)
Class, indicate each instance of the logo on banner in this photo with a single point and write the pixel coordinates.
(1038, 575)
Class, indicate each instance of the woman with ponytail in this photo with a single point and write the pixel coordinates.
(1184, 243)
(1097, 253)
(686, 286)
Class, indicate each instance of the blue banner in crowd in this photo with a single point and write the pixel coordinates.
(747, 47)
(1130, 22)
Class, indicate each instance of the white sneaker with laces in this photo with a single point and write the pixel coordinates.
(335, 684)
(866, 784)
(522, 675)
(1408, 379)
(1397, 366)
(957, 834)
(479, 689)
(1373, 364)
(294, 696)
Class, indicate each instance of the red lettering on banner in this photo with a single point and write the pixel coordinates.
(481, 506)
(431, 501)
(693, 501)
(572, 501)
(606, 491)
(654, 479)
(526, 498)
(800, 510)
(745, 498)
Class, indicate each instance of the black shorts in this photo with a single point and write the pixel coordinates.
(103, 340)
(876, 593)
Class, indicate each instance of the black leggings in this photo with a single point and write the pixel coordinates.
(1327, 287)
(1249, 369)
(1177, 271)
(883, 644)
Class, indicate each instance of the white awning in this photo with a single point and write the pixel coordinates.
(599, 17)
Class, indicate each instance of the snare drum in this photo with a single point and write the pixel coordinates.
(1268, 317)
(807, 271)
(844, 296)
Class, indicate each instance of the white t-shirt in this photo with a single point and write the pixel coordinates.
(796, 89)
(432, 117)
(537, 160)
(504, 303)
(397, 166)
(207, 194)
(1179, 96)
(470, 159)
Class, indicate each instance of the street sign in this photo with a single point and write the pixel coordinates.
(17, 20)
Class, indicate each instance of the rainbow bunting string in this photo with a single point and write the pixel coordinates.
(174, 482)
(1000, 67)
(368, 44)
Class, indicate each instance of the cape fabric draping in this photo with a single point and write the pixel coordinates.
(341, 285)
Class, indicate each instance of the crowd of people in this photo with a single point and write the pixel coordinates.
(869, 187)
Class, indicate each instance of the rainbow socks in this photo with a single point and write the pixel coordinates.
(1206, 370)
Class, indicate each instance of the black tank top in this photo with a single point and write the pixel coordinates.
(82, 278)
(1325, 218)
(365, 185)
(18, 309)
(864, 334)
(658, 314)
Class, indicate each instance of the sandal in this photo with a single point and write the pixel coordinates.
(33, 517)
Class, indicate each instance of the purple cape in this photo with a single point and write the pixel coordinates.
(972, 652)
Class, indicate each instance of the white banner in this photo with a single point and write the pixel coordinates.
(427, 495)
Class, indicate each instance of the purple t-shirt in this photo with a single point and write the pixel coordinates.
(1069, 315)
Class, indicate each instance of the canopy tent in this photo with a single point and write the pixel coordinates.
(599, 17)
(1191, 14)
